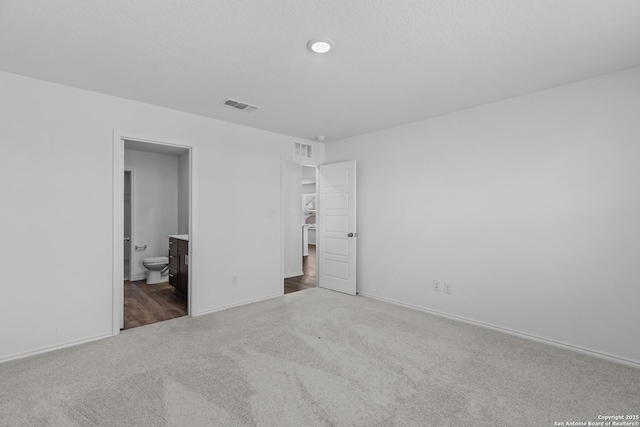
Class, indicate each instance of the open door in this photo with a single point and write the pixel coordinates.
(337, 227)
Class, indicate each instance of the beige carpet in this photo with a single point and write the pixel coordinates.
(313, 358)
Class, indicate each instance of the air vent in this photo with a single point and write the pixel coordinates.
(240, 105)
(303, 150)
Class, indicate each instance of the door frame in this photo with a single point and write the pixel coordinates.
(283, 161)
(118, 220)
(132, 226)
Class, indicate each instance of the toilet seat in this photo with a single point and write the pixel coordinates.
(156, 260)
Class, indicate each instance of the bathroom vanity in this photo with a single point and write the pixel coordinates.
(179, 262)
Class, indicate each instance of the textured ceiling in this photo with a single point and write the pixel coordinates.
(394, 61)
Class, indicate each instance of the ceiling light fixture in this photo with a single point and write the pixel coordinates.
(320, 45)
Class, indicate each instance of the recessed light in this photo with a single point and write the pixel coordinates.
(320, 45)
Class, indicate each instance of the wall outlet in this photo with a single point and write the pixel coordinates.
(447, 287)
(437, 285)
(234, 280)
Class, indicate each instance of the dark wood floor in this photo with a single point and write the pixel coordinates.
(145, 304)
(308, 280)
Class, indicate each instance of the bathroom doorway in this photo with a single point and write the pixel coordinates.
(153, 201)
(300, 199)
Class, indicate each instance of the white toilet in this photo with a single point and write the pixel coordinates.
(156, 267)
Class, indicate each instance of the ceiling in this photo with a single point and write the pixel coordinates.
(393, 62)
(154, 147)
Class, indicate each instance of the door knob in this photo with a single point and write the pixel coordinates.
(126, 239)
(351, 235)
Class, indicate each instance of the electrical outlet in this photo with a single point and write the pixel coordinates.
(234, 280)
(447, 287)
(437, 285)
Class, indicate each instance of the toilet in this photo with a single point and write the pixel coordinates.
(156, 267)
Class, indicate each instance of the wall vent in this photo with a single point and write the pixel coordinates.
(240, 105)
(303, 150)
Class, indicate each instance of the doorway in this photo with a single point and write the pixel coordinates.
(152, 209)
(300, 205)
(336, 233)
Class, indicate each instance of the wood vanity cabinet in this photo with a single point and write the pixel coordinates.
(179, 264)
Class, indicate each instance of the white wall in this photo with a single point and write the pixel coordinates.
(292, 180)
(308, 175)
(530, 207)
(183, 193)
(155, 205)
(309, 188)
(59, 141)
(312, 236)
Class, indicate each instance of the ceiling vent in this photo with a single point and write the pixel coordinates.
(304, 150)
(240, 105)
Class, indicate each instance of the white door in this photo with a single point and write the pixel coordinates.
(337, 227)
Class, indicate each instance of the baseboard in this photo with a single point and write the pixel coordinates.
(165, 278)
(225, 307)
(578, 349)
(54, 347)
(299, 273)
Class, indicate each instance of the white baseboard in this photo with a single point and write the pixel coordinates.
(299, 273)
(54, 347)
(589, 352)
(225, 307)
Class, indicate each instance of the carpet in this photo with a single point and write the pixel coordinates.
(314, 358)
